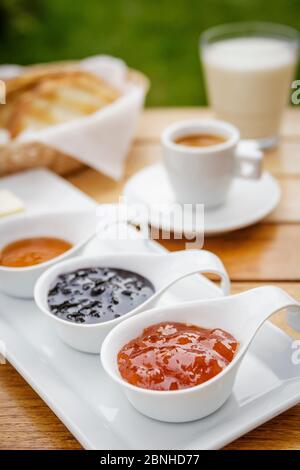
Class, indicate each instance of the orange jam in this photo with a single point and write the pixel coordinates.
(173, 356)
(31, 251)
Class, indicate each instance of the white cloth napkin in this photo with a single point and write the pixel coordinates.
(100, 140)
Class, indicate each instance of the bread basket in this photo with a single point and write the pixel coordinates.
(16, 156)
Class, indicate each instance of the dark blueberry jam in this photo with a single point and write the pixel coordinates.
(96, 295)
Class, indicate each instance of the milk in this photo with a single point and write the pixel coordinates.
(249, 81)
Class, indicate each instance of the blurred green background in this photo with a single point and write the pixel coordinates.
(158, 37)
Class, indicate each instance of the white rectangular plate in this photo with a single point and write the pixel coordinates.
(75, 387)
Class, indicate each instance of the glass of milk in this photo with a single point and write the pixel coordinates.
(249, 68)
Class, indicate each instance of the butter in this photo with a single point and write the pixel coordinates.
(9, 203)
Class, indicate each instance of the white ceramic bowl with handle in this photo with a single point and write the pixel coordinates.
(161, 269)
(76, 227)
(240, 315)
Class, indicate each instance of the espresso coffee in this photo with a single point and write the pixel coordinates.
(200, 140)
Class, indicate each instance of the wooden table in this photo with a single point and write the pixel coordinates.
(267, 252)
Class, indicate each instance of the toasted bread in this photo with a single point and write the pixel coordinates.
(44, 98)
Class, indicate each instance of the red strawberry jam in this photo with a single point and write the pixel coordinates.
(173, 356)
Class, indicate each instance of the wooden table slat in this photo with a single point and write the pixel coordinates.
(154, 120)
(264, 252)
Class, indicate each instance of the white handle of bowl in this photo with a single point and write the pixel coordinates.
(263, 302)
(248, 161)
(293, 319)
(196, 261)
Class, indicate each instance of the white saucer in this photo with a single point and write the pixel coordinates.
(248, 202)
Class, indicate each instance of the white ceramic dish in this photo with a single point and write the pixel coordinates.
(41, 189)
(248, 202)
(241, 315)
(75, 227)
(162, 270)
(267, 382)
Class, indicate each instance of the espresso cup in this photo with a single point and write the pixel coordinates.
(204, 174)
